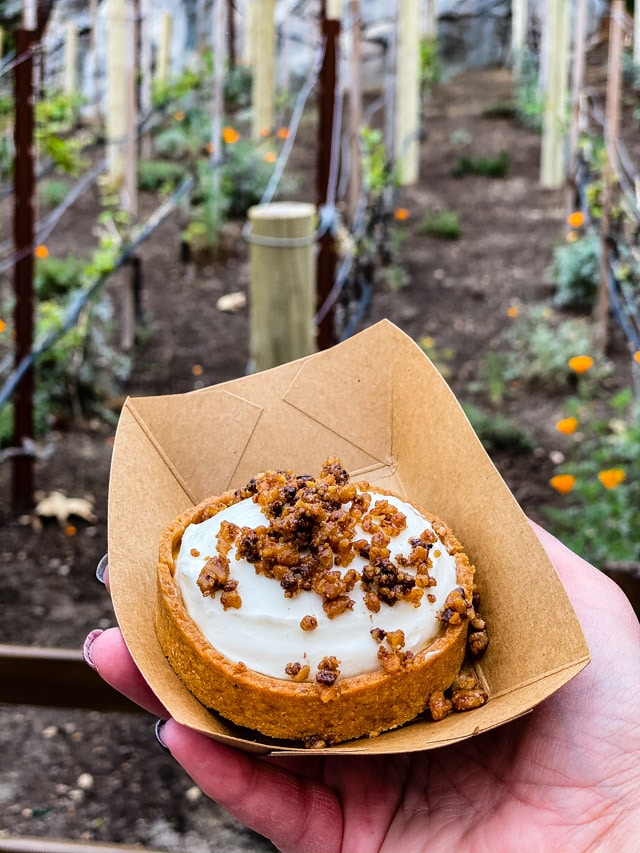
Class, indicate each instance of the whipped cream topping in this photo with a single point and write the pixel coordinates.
(265, 633)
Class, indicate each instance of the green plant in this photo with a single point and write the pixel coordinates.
(439, 356)
(540, 346)
(441, 223)
(497, 432)
(528, 92)
(487, 167)
(429, 65)
(576, 272)
(501, 110)
(238, 83)
(56, 277)
(600, 516)
(159, 175)
(53, 192)
(244, 177)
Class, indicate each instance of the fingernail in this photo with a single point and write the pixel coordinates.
(158, 730)
(88, 643)
(102, 567)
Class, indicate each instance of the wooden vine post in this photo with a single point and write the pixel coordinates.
(264, 66)
(430, 26)
(407, 121)
(519, 20)
(164, 49)
(556, 70)
(355, 106)
(577, 79)
(23, 238)
(282, 283)
(146, 67)
(116, 90)
(70, 82)
(326, 259)
(95, 63)
(611, 134)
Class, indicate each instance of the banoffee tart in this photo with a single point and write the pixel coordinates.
(318, 609)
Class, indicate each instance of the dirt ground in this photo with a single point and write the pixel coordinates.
(82, 775)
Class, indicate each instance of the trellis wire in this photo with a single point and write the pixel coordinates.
(80, 297)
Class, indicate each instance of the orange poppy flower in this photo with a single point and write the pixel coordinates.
(612, 477)
(576, 219)
(264, 132)
(282, 133)
(513, 311)
(580, 363)
(197, 370)
(70, 530)
(401, 214)
(270, 157)
(563, 483)
(3, 326)
(636, 356)
(179, 115)
(41, 251)
(230, 135)
(567, 426)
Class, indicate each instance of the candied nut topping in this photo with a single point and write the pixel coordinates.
(439, 706)
(213, 576)
(298, 671)
(309, 538)
(328, 671)
(308, 623)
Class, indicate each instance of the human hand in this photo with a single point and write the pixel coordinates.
(564, 778)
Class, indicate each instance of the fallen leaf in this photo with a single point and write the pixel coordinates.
(59, 506)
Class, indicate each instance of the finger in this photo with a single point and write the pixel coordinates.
(298, 814)
(107, 653)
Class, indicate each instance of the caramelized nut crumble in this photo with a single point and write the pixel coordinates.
(297, 671)
(308, 623)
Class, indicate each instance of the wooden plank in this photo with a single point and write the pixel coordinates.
(12, 844)
(55, 678)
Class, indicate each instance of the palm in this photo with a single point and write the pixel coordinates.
(566, 777)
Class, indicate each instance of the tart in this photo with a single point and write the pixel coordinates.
(317, 609)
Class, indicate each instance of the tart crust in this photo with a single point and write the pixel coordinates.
(354, 707)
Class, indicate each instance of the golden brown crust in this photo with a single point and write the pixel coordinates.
(363, 705)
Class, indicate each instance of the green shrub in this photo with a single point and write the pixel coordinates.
(541, 345)
(159, 175)
(55, 277)
(53, 192)
(576, 272)
(600, 516)
(443, 223)
(245, 176)
(487, 167)
(497, 432)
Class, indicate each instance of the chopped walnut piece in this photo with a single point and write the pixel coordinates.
(395, 639)
(439, 706)
(213, 576)
(456, 607)
(298, 672)
(477, 642)
(308, 623)
(378, 634)
(467, 691)
(328, 671)
(194, 552)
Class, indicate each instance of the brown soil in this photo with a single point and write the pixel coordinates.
(456, 292)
